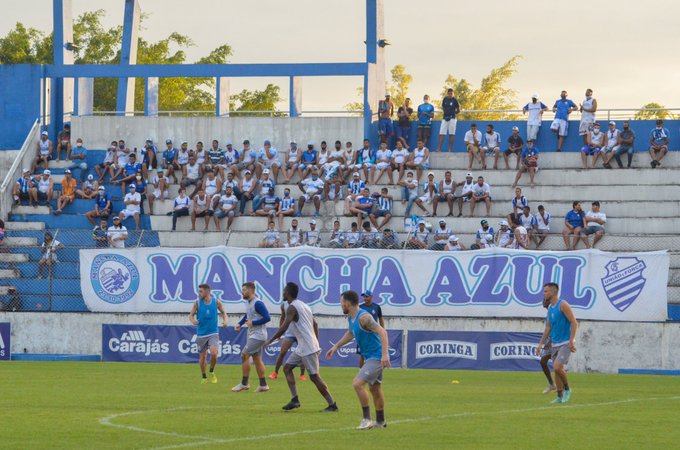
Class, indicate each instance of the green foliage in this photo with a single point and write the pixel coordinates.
(247, 100)
(400, 84)
(356, 108)
(653, 115)
(23, 45)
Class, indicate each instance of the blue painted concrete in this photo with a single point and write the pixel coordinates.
(649, 372)
(19, 103)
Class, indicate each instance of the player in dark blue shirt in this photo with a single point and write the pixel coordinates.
(376, 312)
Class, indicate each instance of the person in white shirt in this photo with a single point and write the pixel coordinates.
(594, 143)
(132, 200)
(311, 188)
(535, 109)
(311, 237)
(268, 159)
(473, 141)
(409, 193)
(192, 174)
(49, 249)
(180, 207)
(272, 238)
(446, 192)
(294, 235)
(453, 245)
(286, 207)
(227, 207)
(505, 236)
(160, 188)
(383, 162)
(542, 225)
(399, 158)
(337, 237)
(519, 201)
(419, 237)
(595, 220)
(201, 208)
(292, 161)
(353, 236)
(611, 144)
(521, 238)
(116, 234)
(492, 145)
(587, 108)
(481, 192)
(466, 192)
(419, 159)
(441, 236)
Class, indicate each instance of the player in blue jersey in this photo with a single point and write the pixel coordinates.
(204, 315)
(561, 326)
(374, 345)
(546, 356)
(375, 311)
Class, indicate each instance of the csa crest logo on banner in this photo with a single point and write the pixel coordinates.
(115, 279)
(624, 281)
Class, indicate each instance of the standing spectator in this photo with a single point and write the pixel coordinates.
(389, 240)
(45, 187)
(505, 235)
(247, 188)
(148, 155)
(399, 158)
(88, 189)
(473, 141)
(450, 108)
(43, 152)
(466, 193)
(425, 115)
(587, 108)
(626, 142)
(353, 236)
(420, 159)
(309, 160)
(170, 164)
(593, 147)
(452, 244)
(294, 234)
(384, 162)
(311, 237)
(611, 144)
(404, 114)
(485, 235)
(180, 208)
(292, 161)
(100, 234)
(117, 233)
(286, 207)
(441, 236)
(269, 203)
(68, 192)
(79, 157)
(573, 223)
(272, 238)
(108, 163)
(594, 224)
(383, 208)
(419, 238)
(409, 193)
(130, 171)
(192, 174)
(529, 164)
(492, 145)
(515, 146)
(64, 142)
(366, 161)
(385, 113)
(542, 225)
(226, 207)
(268, 159)
(519, 201)
(132, 201)
(658, 140)
(362, 206)
(354, 189)
(49, 249)
(337, 237)
(161, 184)
(446, 193)
(311, 188)
(481, 192)
(535, 110)
(562, 108)
(201, 208)
(102, 207)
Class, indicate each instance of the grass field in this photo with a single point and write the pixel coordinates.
(124, 405)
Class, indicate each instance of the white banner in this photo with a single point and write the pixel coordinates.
(484, 283)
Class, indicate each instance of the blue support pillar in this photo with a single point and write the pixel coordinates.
(125, 99)
(295, 97)
(372, 89)
(59, 90)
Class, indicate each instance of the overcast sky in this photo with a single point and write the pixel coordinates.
(626, 51)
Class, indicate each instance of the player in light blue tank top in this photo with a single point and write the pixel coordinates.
(561, 326)
(204, 314)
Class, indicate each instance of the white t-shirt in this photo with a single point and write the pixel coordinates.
(479, 191)
(383, 154)
(534, 110)
(313, 186)
(468, 187)
(130, 196)
(593, 215)
(492, 140)
(399, 156)
(412, 190)
(468, 137)
(113, 232)
(543, 223)
(505, 237)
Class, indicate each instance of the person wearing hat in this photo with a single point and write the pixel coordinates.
(45, 184)
(102, 206)
(68, 192)
(311, 237)
(466, 193)
(309, 160)
(473, 141)
(385, 113)
(248, 158)
(132, 201)
(354, 188)
(264, 184)
(659, 139)
(611, 144)
(419, 238)
(89, 188)
(505, 236)
(535, 109)
(25, 189)
(485, 235)
(529, 163)
(161, 191)
(117, 233)
(43, 152)
(515, 146)
(450, 107)
(268, 158)
(292, 161)
(169, 162)
(452, 244)
(441, 236)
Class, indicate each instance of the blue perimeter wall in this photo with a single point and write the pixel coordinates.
(19, 102)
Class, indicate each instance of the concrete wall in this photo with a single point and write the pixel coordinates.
(602, 346)
(98, 132)
(19, 102)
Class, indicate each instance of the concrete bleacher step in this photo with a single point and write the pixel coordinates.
(9, 273)
(25, 226)
(26, 210)
(13, 257)
(21, 241)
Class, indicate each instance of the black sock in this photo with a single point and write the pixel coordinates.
(559, 394)
(379, 415)
(366, 411)
(212, 369)
(630, 159)
(566, 386)
(263, 382)
(204, 375)
(295, 399)
(244, 381)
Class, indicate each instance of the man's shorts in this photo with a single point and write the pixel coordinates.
(222, 214)
(659, 149)
(127, 213)
(560, 125)
(207, 212)
(190, 182)
(473, 148)
(381, 212)
(546, 351)
(268, 163)
(509, 152)
(43, 196)
(253, 346)
(444, 196)
(371, 372)
(588, 150)
(608, 149)
(310, 362)
(490, 149)
(561, 353)
(585, 127)
(309, 197)
(382, 165)
(385, 126)
(305, 166)
(592, 230)
(204, 343)
(448, 127)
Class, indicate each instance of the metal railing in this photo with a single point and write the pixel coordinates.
(235, 113)
(23, 159)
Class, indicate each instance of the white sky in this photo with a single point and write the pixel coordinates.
(624, 50)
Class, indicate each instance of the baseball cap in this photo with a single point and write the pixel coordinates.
(168, 141)
(367, 293)
(421, 222)
(267, 142)
(453, 238)
(355, 174)
(116, 218)
(90, 177)
(247, 172)
(102, 188)
(534, 96)
(387, 94)
(265, 171)
(49, 172)
(228, 143)
(430, 173)
(442, 221)
(25, 170)
(185, 143)
(149, 140)
(292, 141)
(65, 171)
(515, 128)
(159, 170)
(312, 222)
(310, 143)
(468, 175)
(132, 187)
(612, 123)
(503, 222)
(484, 222)
(44, 133)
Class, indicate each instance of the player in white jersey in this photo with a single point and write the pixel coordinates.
(300, 320)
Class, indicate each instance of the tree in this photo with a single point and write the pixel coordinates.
(400, 84)
(660, 112)
(256, 101)
(25, 46)
(356, 108)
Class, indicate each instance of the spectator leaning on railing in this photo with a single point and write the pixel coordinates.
(441, 236)
(535, 109)
(337, 237)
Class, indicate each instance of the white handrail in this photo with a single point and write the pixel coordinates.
(6, 199)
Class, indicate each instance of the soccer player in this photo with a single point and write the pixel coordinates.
(300, 320)
(256, 318)
(286, 343)
(375, 311)
(372, 340)
(545, 357)
(204, 315)
(561, 326)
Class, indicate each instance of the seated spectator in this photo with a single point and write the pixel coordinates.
(201, 208)
(573, 224)
(388, 240)
(542, 225)
(466, 193)
(311, 237)
(594, 224)
(2, 232)
(505, 235)
(269, 206)
(132, 201)
(481, 192)
(400, 156)
(230, 181)
(369, 236)
(294, 235)
(519, 201)
(309, 160)
(64, 142)
(473, 141)
(383, 163)
(611, 145)
(430, 189)
(183, 155)
(527, 220)
(351, 163)
(140, 186)
(45, 187)
(521, 241)
(529, 163)
(286, 207)
(312, 189)
(513, 219)
(593, 147)
(79, 158)
(362, 206)
(441, 236)
(89, 188)
(452, 244)
(419, 159)
(492, 146)
(354, 189)
(148, 156)
(211, 183)
(130, 171)
(335, 167)
(353, 236)
(169, 162)
(365, 160)
(161, 184)
(102, 207)
(100, 234)
(68, 192)
(226, 208)
(268, 159)
(49, 249)
(625, 144)
(247, 188)
(272, 238)
(43, 152)
(333, 185)
(446, 192)
(108, 164)
(121, 159)
(192, 175)
(337, 237)
(292, 161)
(485, 235)
(382, 209)
(659, 139)
(25, 189)
(247, 159)
(324, 156)
(229, 162)
(515, 147)
(264, 184)
(409, 192)
(419, 238)
(117, 233)
(216, 160)
(180, 207)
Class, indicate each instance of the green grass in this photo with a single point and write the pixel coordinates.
(60, 405)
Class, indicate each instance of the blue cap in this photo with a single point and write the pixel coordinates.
(367, 293)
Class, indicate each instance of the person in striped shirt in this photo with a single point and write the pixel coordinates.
(286, 207)
(354, 189)
(26, 189)
(272, 238)
(383, 209)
